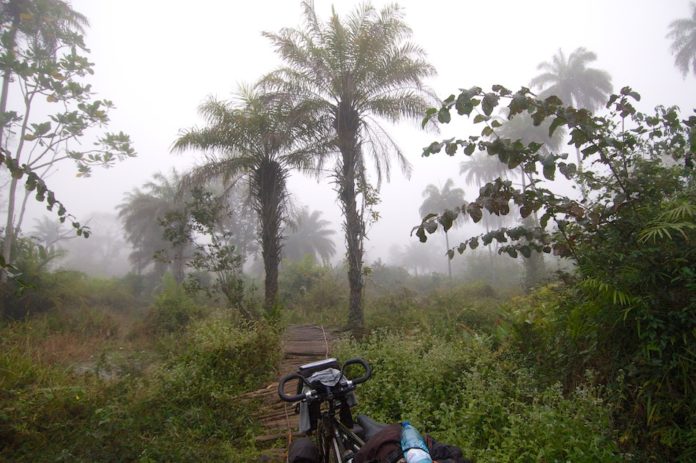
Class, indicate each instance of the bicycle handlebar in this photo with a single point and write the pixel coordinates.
(297, 397)
(364, 364)
(281, 388)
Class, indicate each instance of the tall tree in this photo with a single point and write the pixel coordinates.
(682, 32)
(142, 213)
(572, 81)
(308, 234)
(438, 201)
(351, 70)
(41, 51)
(575, 84)
(481, 168)
(260, 138)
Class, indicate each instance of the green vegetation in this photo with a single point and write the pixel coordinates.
(76, 389)
(629, 309)
(595, 362)
(464, 391)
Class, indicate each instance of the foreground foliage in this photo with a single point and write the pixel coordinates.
(469, 393)
(631, 305)
(178, 403)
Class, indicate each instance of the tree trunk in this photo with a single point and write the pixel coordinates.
(9, 237)
(583, 188)
(449, 261)
(178, 264)
(347, 126)
(354, 232)
(8, 243)
(7, 75)
(18, 224)
(268, 187)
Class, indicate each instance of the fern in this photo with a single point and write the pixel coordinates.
(609, 292)
(679, 219)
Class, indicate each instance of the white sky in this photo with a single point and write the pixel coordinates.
(158, 60)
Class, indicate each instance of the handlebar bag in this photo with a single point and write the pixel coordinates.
(321, 381)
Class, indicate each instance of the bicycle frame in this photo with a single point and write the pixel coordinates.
(336, 442)
(335, 438)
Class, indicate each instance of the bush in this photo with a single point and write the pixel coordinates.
(471, 395)
(186, 409)
(172, 310)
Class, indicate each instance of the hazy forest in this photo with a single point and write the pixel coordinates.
(516, 256)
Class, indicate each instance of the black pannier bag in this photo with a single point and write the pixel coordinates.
(303, 450)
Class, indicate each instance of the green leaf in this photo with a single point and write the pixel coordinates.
(525, 210)
(443, 116)
(592, 149)
(549, 171)
(489, 102)
(430, 227)
(556, 123)
(420, 233)
(447, 218)
(429, 113)
(526, 251)
(474, 211)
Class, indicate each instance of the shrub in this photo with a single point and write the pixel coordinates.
(469, 394)
(173, 309)
(186, 409)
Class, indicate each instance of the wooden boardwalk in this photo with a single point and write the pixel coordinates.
(301, 344)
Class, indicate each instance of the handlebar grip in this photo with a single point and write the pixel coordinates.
(281, 388)
(364, 364)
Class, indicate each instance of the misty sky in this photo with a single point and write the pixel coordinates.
(158, 60)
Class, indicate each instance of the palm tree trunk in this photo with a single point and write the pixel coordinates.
(178, 264)
(354, 232)
(347, 126)
(269, 183)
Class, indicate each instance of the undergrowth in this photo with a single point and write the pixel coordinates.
(476, 396)
(182, 405)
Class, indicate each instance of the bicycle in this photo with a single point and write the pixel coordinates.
(325, 397)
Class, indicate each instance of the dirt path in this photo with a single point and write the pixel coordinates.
(301, 344)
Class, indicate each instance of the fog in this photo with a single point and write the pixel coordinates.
(158, 60)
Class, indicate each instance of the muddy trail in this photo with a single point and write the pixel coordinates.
(301, 344)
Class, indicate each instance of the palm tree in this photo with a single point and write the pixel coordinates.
(259, 138)
(438, 200)
(141, 213)
(572, 81)
(575, 84)
(481, 168)
(49, 232)
(350, 71)
(309, 235)
(683, 34)
(416, 256)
